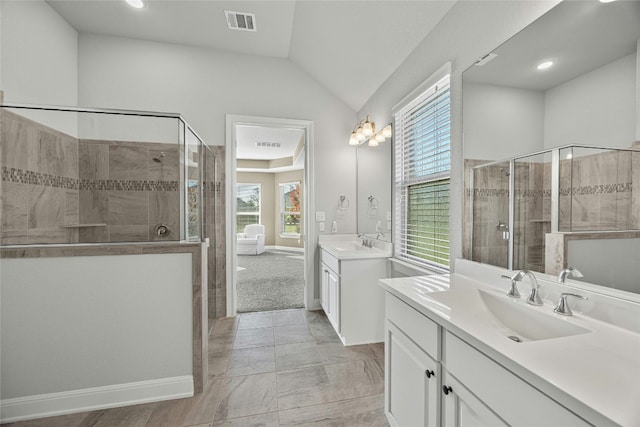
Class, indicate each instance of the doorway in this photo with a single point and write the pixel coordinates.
(268, 193)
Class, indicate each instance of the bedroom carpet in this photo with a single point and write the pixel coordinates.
(272, 280)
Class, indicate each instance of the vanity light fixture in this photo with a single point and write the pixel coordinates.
(606, 1)
(366, 130)
(544, 65)
(138, 4)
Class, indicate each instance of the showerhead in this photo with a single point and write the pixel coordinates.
(159, 158)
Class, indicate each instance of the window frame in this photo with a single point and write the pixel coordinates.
(259, 212)
(409, 174)
(284, 234)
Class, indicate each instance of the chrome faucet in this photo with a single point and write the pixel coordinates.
(569, 272)
(534, 296)
(562, 307)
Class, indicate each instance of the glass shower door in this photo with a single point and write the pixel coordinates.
(490, 206)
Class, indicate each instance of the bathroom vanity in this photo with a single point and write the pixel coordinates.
(459, 352)
(349, 294)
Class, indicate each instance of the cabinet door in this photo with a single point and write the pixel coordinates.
(334, 299)
(324, 288)
(463, 409)
(412, 386)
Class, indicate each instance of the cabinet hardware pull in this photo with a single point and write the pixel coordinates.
(446, 389)
(429, 373)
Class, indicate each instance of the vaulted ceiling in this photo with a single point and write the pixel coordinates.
(349, 46)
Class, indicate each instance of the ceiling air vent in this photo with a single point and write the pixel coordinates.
(240, 20)
(268, 144)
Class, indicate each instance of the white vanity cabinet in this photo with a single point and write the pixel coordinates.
(412, 374)
(434, 378)
(507, 395)
(330, 289)
(351, 297)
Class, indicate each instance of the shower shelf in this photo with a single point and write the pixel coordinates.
(83, 225)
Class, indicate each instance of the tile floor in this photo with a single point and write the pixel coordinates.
(280, 368)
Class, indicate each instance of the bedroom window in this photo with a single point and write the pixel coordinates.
(248, 205)
(290, 216)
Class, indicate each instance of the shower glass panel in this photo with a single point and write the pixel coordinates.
(531, 210)
(595, 191)
(194, 185)
(490, 205)
(72, 175)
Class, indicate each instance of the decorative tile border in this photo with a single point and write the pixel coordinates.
(626, 187)
(22, 176)
(126, 185)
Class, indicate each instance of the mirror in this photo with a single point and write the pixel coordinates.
(515, 111)
(373, 190)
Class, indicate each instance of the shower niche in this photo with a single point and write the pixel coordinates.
(73, 175)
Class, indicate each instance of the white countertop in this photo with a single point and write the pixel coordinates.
(346, 247)
(596, 374)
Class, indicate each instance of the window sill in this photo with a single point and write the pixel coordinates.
(289, 235)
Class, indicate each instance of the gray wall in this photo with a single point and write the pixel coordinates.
(52, 342)
(470, 30)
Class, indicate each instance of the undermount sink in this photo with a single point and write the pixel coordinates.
(511, 318)
(346, 249)
(351, 246)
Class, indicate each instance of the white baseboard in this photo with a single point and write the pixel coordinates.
(89, 399)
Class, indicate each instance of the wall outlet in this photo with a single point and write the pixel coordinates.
(319, 216)
(334, 227)
(321, 226)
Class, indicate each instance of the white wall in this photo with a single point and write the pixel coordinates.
(206, 85)
(511, 119)
(470, 30)
(62, 332)
(39, 63)
(600, 262)
(598, 108)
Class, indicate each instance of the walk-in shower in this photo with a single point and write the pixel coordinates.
(577, 196)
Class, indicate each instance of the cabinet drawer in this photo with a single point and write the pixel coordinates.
(330, 261)
(496, 387)
(422, 330)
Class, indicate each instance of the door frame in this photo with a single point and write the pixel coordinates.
(233, 120)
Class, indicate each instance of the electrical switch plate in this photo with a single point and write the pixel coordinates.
(321, 226)
(319, 216)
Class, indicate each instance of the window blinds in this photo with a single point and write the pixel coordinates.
(422, 169)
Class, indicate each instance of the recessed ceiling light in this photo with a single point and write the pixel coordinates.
(138, 4)
(544, 65)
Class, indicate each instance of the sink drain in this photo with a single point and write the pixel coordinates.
(514, 338)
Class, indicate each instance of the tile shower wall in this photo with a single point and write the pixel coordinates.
(532, 214)
(53, 182)
(214, 229)
(40, 185)
(125, 193)
(596, 192)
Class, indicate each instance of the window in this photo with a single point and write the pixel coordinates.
(248, 208)
(290, 209)
(422, 172)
